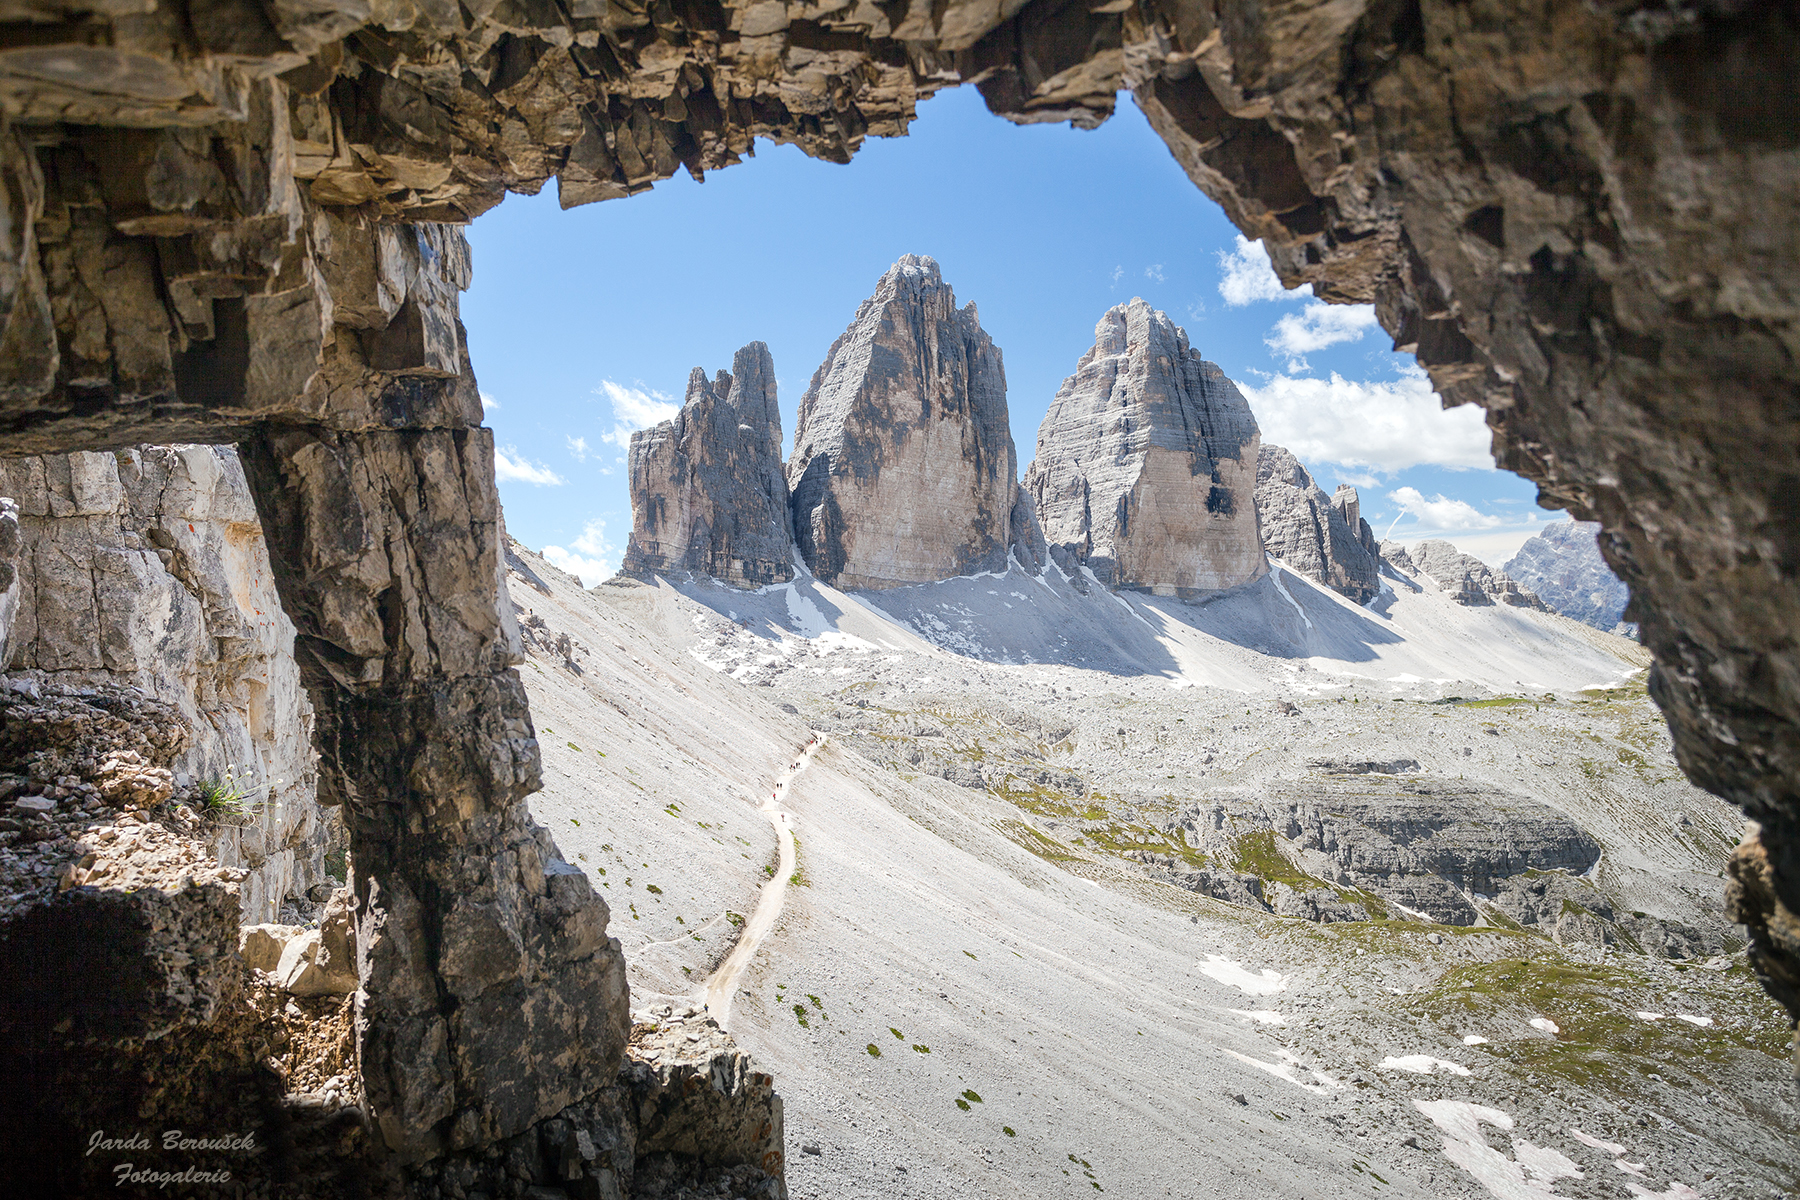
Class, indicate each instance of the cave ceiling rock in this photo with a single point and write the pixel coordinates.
(233, 221)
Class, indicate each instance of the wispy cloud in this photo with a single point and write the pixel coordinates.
(1320, 325)
(1249, 276)
(511, 466)
(1154, 271)
(1118, 274)
(634, 408)
(1441, 513)
(488, 403)
(1386, 426)
(587, 557)
(578, 447)
(1358, 479)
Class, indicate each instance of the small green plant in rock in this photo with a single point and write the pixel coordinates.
(874, 1050)
(224, 799)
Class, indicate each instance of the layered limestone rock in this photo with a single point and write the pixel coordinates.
(1323, 538)
(904, 469)
(147, 568)
(1466, 579)
(1563, 565)
(708, 491)
(1146, 463)
(1585, 224)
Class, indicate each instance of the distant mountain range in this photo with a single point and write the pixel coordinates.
(1150, 475)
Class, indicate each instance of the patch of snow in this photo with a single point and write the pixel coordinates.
(1275, 570)
(1528, 1175)
(804, 615)
(1677, 1191)
(1229, 971)
(1650, 1016)
(1264, 1016)
(1702, 1022)
(1288, 1069)
(1545, 1024)
(1596, 1143)
(1474, 1039)
(1420, 1064)
(1630, 1168)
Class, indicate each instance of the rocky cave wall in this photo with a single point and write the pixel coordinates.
(235, 222)
(147, 569)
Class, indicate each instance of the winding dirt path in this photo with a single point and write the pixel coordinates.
(722, 984)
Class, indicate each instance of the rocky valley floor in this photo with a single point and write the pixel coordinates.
(1274, 896)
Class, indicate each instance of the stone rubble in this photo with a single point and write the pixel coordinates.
(1146, 464)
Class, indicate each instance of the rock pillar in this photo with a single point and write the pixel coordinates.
(491, 996)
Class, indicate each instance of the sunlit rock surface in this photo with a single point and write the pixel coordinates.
(1563, 565)
(707, 489)
(904, 469)
(1324, 538)
(148, 568)
(1146, 463)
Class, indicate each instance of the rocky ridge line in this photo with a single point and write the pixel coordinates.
(1323, 538)
(1563, 565)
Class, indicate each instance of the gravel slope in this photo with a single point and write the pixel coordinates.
(1135, 1037)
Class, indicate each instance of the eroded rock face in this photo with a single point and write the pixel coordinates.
(1146, 463)
(1466, 579)
(903, 468)
(148, 568)
(707, 489)
(1562, 564)
(1584, 221)
(1323, 538)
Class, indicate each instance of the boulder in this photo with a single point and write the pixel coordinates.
(1146, 463)
(904, 469)
(322, 961)
(261, 946)
(1564, 567)
(1323, 538)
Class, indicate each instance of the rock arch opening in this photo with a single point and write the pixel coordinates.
(237, 224)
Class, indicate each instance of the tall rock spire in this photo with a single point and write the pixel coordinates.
(707, 492)
(1146, 463)
(904, 469)
(1323, 538)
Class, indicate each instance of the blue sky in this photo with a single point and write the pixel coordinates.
(584, 324)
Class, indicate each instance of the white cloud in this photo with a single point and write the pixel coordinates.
(510, 465)
(587, 557)
(578, 447)
(1154, 271)
(1387, 427)
(634, 408)
(1320, 325)
(1442, 513)
(1359, 479)
(1118, 273)
(488, 403)
(1249, 276)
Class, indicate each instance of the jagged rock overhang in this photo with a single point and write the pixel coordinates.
(237, 223)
